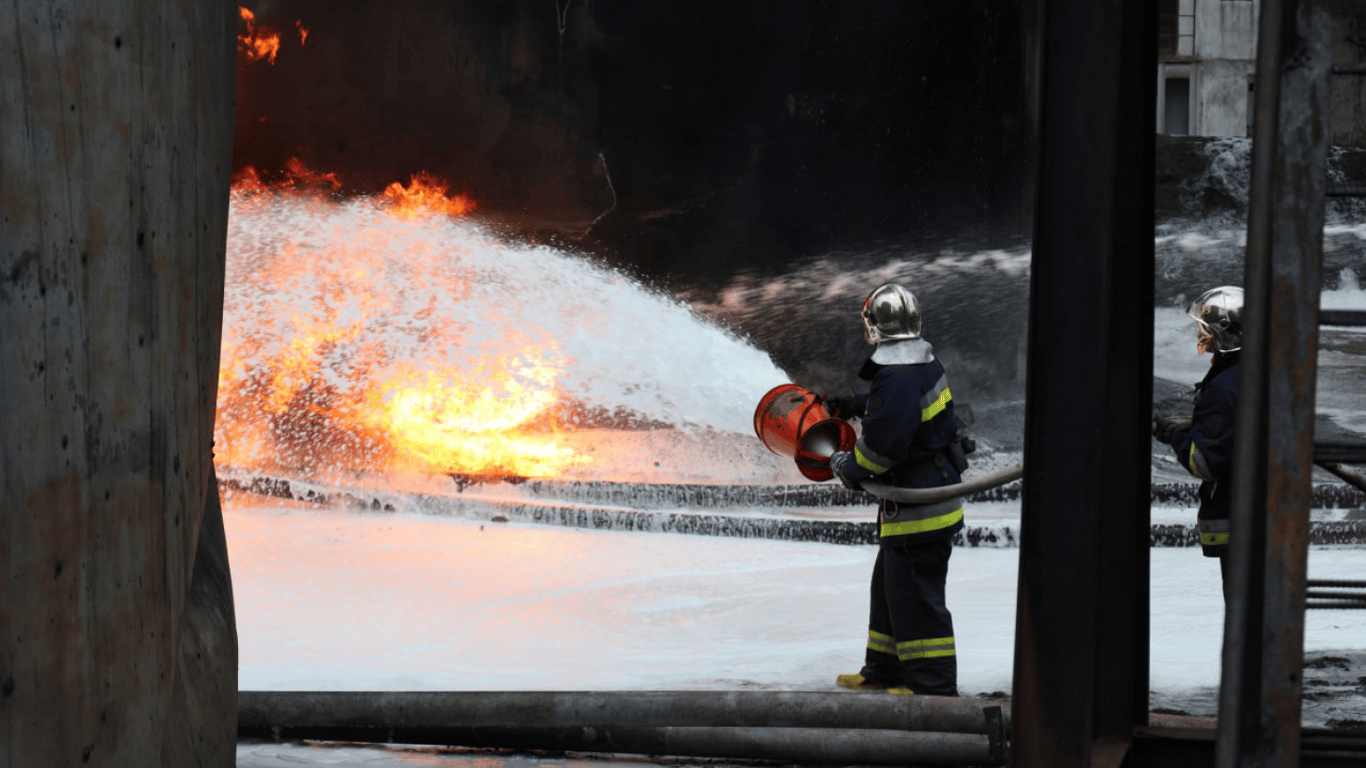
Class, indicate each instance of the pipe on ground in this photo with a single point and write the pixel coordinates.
(804, 746)
(562, 709)
(797, 726)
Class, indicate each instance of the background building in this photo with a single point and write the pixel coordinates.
(1206, 60)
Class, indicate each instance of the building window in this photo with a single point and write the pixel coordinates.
(1176, 109)
(1176, 28)
(1166, 27)
(1185, 28)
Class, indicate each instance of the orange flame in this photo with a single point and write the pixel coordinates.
(248, 180)
(297, 177)
(257, 44)
(425, 196)
(301, 176)
(303, 31)
(311, 383)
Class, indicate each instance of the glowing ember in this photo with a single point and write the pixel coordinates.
(303, 31)
(257, 44)
(337, 354)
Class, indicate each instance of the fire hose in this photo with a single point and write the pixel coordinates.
(1349, 476)
(1332, 457)
(793, 421)
(928, 495)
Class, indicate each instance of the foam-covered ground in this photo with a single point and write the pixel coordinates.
(345, 600)
(333, 600)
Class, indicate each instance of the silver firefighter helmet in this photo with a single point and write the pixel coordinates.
(890, 313)
(1219, 314)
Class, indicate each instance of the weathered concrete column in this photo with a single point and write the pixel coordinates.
(116, 120)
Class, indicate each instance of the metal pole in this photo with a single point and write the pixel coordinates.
(1081, 663)
(1259, 705)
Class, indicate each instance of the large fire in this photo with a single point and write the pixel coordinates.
(341, 358)
(340, 352)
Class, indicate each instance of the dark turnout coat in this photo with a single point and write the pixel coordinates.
(908, 423)
(1206, 449)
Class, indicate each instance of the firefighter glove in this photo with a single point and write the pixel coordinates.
(1164, 427)
(842, 406)
(839, 463)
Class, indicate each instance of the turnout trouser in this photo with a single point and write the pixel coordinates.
(909, 625)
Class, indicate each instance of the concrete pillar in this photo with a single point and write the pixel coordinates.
(118, 645)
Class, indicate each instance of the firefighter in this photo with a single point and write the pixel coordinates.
(908, 439)
(1203, 442)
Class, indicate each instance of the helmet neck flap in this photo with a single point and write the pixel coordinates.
(904, 352)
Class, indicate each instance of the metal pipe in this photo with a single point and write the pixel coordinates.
(804, 727)
(568, 709)
(806, 746)
(927, 495)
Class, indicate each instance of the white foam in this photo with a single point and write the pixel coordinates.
(448, 292)
(1347, 295)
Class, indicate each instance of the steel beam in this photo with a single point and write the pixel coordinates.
(1081, 657)
(1259, 705)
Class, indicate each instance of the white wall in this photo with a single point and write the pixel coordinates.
(1226, 29)
(1220, 67)
(1220, 60)
(1219, 89)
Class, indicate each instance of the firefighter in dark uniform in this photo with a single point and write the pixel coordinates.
(908, 435)
(1203, 442)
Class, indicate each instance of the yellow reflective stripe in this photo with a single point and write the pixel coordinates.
(863, 461)
(1213, 531)
(921, 526)
(936, 407)
(1198, 466)
(1213, 538)
(928, 648)
(880, 642)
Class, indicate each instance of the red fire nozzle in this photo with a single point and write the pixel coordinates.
(792, 421)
